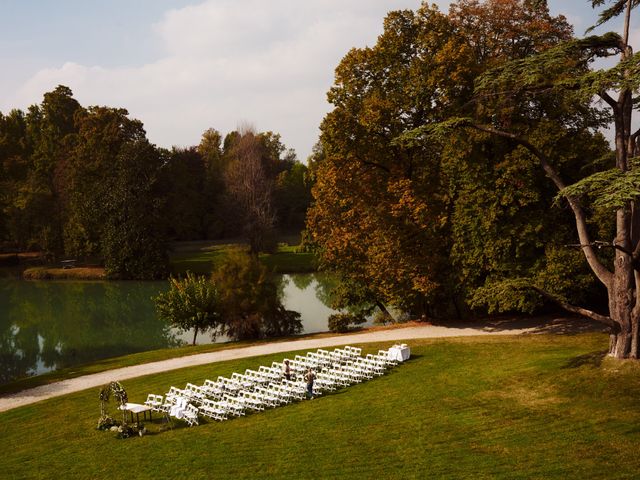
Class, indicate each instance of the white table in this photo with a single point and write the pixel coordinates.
(399, 353)
(137, 408)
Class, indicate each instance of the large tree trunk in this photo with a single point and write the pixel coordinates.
(624, 344)
(622, 295)
(623, 341)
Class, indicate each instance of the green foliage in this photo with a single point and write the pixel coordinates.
(86, 183)
(133, 240)
(612, 12)
(562, 66)
(434, 133)
(561, 272)
(249, 300)
(187, 184)
(34, 151)
(82, 182)
(415, 208)
(508, 295)
(191, 302)
(610, 189)
(342, 322)
(292, 196)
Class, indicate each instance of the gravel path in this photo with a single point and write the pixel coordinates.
(64, 387)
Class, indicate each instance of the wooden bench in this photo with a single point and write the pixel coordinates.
(68, 263)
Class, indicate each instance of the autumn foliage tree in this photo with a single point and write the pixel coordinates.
(416, 224)
(379, 216)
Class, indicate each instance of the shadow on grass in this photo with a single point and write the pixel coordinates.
(593, 359)
(547, 324)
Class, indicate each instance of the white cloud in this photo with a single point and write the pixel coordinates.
(225, 62)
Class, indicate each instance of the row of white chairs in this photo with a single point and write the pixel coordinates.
(256, 390)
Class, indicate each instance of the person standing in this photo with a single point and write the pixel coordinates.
(310, 377)
(287, 370)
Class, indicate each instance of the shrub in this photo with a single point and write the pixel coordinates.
(190, 302)
(342, 322)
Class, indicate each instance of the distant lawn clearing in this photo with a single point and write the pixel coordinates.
(202, 258)
(536, 406)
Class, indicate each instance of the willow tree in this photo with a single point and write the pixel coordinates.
(539, 84)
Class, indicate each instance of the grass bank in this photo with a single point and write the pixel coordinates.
(59, 273)
(481, 407)
(203, 257)
(198, 257)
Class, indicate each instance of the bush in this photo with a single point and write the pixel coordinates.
(190, 302)
(341, 322)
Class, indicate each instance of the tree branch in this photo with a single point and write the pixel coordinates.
(374, 164)
(583, 312)
(603, 274)
(610, 100)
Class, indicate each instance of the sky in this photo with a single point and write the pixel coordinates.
(183, 66)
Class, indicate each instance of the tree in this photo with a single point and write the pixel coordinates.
(34, 152)
(186, 191)
(292, 196)
(249, 300)
(379, 213)
(210, 149)
(499, 30)
(192, 302)
(133, 239)
(418, 221)
(14, 170)
(115, 196)
(250, 187)
(536, 87)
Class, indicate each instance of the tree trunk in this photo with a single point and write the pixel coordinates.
(624, 344)
(623, 341)
(385, 312)
(195, 334)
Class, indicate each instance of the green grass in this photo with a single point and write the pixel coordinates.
(483, 407)
(202, 258)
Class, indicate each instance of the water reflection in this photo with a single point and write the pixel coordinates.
(307, 293)
(50, 325)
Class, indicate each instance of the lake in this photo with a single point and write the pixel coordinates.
(50, 325)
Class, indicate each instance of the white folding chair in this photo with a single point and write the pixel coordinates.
(154, 401)
(190, 415)
(212, 409)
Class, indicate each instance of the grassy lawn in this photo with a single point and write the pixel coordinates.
(202, 257)
(199, 257)
(483, 407)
